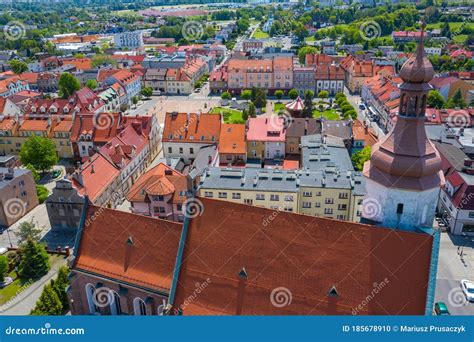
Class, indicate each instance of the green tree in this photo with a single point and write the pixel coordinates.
(3, 268)
(36, 175)
(35, 261)
(147, 92)
(39, 152)
(226, 95)
(293, 94)
(306, 50)
(42, 193)
(134, 100)
(435, 99)
(252, 110)
(48, 304)
(18, 66)
(60, 285)
(360, 157)
(279, 94)
(446, 30)
(99, 60)
(323, 94)
(308, 104)
(92, 84)
(457, 100)
(246, 94)
(67, 85)
(27, 229)
(245, 114)
(260, 100)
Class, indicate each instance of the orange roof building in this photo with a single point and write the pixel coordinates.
(232, 145)
(295, 264)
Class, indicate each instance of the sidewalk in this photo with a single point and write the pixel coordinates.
(23, 303)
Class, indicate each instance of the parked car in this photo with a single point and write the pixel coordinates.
(467, 288)
(441, 309)
(362, 107)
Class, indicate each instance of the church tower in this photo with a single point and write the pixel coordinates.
(403, 175)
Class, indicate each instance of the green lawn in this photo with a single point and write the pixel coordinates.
(452, 25)
(278, 106)
(460, 39)
(260, 34)
(230, 115)
(329, 114)
(18, 284)
(309, 39)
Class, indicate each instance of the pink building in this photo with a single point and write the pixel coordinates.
(160, 193)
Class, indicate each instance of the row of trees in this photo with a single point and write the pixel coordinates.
(348, 110)
(53, 299)
(436, 100)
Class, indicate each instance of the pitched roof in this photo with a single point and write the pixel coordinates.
(198, 128)
(232, 139)
(303, 257)
(102, 127)
(130, 248)
(160, 180)
(266, 129)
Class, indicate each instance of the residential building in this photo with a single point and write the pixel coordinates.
(130, 40)
(185, 134)
(404, 173)
(65, 207)
(129, 81)
(136, 272)
(17, 194)
(160, 192)
(232, 145)
(303, 78)
(48, 82)
(407, 36)
(266, 138)
(111, 99)
(330, 78)
(320, 152)
(363, 136)
(218, 80)
(12, 85)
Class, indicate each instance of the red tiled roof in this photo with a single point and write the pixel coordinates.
(266, 129)
(103, 128)
(130, 248)
(232, 139)
(301, 255)
(199, 128)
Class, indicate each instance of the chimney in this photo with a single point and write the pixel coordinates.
(188, 116)
(92, 168)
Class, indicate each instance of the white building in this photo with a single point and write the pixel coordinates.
(130, 39)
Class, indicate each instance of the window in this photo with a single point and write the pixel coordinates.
(222, 194)
(90, 292)
(180, 150)
(471, 214)
(400, 208)
(191, 150)
(317, 205)
(235, 195)
(306, 204)
(343, 195)
(274, 197)
(260, 197)
(341, 217)
(306, 194)
(328, 211)
(179, 207)
(208, 194)
(115, 306)
(288, 198)
(170, 150)
(139, 307)
(329, 201)
(342, 207)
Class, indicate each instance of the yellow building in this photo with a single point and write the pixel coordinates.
(317, 193)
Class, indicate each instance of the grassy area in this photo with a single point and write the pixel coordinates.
(460, 39)
(230, 115)
(309, 39)
(452, 25)
(18, 284)
(329, 114)
(258, 34)
(278, 106)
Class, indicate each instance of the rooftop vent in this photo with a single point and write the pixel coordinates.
(243, 273)
(333, 292)
(130, 241)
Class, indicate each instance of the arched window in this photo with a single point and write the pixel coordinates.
(90, 292)
(115, 306)
(139, 307)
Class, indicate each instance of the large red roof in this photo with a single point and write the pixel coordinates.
(301, 255)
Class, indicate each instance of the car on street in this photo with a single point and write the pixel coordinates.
(362, 107)
(440, 309)
(467, 288)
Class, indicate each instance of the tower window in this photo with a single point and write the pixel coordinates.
(400, 208)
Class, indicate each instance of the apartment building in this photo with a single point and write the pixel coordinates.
(185, 134)
(160, 193)
(129, 39)
(232, 145)
(17, 194)
(300, 127)
(129, 81)
(325, 193)
(266, 138)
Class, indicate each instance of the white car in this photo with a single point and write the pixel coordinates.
(3, 250)
(467, 288)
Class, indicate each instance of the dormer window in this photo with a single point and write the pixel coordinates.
(42, 109)
(65, 110)
(33, 109)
